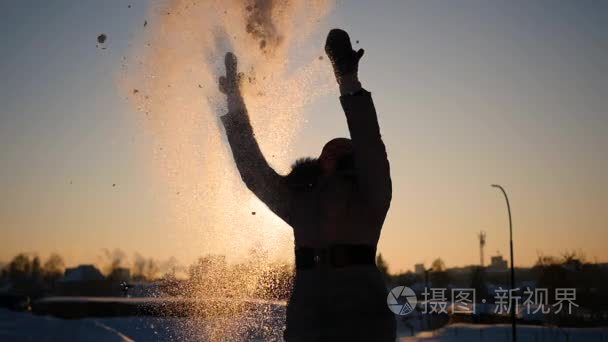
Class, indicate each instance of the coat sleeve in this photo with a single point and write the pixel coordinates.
(270, 187)
(371, 162)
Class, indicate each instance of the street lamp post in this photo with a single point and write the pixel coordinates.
(513, 308)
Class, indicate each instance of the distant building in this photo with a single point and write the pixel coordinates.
(82, 273)
(498, 264)
(419, 269)
(87, 280)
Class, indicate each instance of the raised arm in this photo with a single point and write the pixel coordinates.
(371, 162)
(259, 177)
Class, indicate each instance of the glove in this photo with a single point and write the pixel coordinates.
(344, 59)
(230, 84)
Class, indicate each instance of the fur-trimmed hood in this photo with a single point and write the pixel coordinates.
(305, 173)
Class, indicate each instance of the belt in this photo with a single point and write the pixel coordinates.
(337, 256)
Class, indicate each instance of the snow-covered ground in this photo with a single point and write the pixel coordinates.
(502, 332)
(20, 326)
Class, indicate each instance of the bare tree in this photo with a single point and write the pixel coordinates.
(19, 268)
(113, 260)
(439, 276)
(139, 266)
(151, 269)
(438, 265)
(383, 267)
(53, 266)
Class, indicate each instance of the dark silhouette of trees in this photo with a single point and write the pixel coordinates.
(478, 282)
(139, 265)
(36, 273)
(53, 267)
(26, 275)
(382, 267)
(151, 270)
(438, 265)
(19, 269)
(438, 274)
(113, 260)
(145, 269)
(552, 273)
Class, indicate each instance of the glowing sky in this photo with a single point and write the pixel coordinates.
(469, 93)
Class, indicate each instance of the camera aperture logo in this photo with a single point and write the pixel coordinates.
(401, 300)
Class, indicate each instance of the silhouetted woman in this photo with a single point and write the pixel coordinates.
(336, 205)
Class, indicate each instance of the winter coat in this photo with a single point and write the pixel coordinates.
(346, 208)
